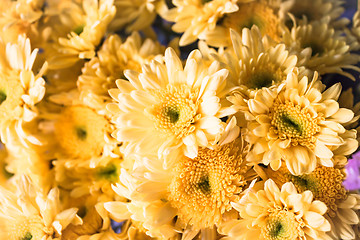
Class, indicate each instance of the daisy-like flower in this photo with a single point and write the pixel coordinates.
(100, 73)
(28, 214)
(326, 185)
(195, 18)
(196, 186)
(321, 48)
(274, 213)
(256, 62)
(76, 133)
(20, 91)
(205, 184)
(254, 13)
(298, 123)
(80, 131)
(167, 109)
(86, 34)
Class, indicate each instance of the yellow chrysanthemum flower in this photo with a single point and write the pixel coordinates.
(274, 213)
(100, 73)
(321, 48)
(254, 13)
(79, 132)
(205, 184)
(28, 214)
(181, 107)
(195, 18)
(298, 123)
(326, 185)
(87, 30)
(20, 91)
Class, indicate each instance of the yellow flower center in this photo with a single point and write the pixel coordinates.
(207, 184)
(263, 76)
(176, 112)
(324, 182)
(254, 13)
(30, 228)
(79, 29)
(80, 132)
(294, 123)
(109, 172)
(281, 225)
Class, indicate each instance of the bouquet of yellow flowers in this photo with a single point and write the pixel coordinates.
(179, 120)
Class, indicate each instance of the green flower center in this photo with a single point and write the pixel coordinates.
(251, 22)
(276, 230)
(81, 133)
(172, 113)
(292, 122)
(305, 182)
(259, 80)
(316, 49)
(27, 236)
(281, 225)
(78, 30)
(110, 173)
(204, 185)
(2, 96)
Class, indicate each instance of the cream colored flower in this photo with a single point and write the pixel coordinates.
(258, 13)
(298, 123)
(321, 48)
(20, 91)
(326, 185)
(194, 196)
(168, 109)
(79, 132)
(256, 62)
(88, 26)
(28, 214)
(195, 18)
(274, 213)
(100, 73)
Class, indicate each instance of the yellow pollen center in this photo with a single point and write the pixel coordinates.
(208, 183)
(294, 123)
(76, 133)
(30, 228)
(254, 13)
(263, 76)
(176, 112)
(281, 225)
